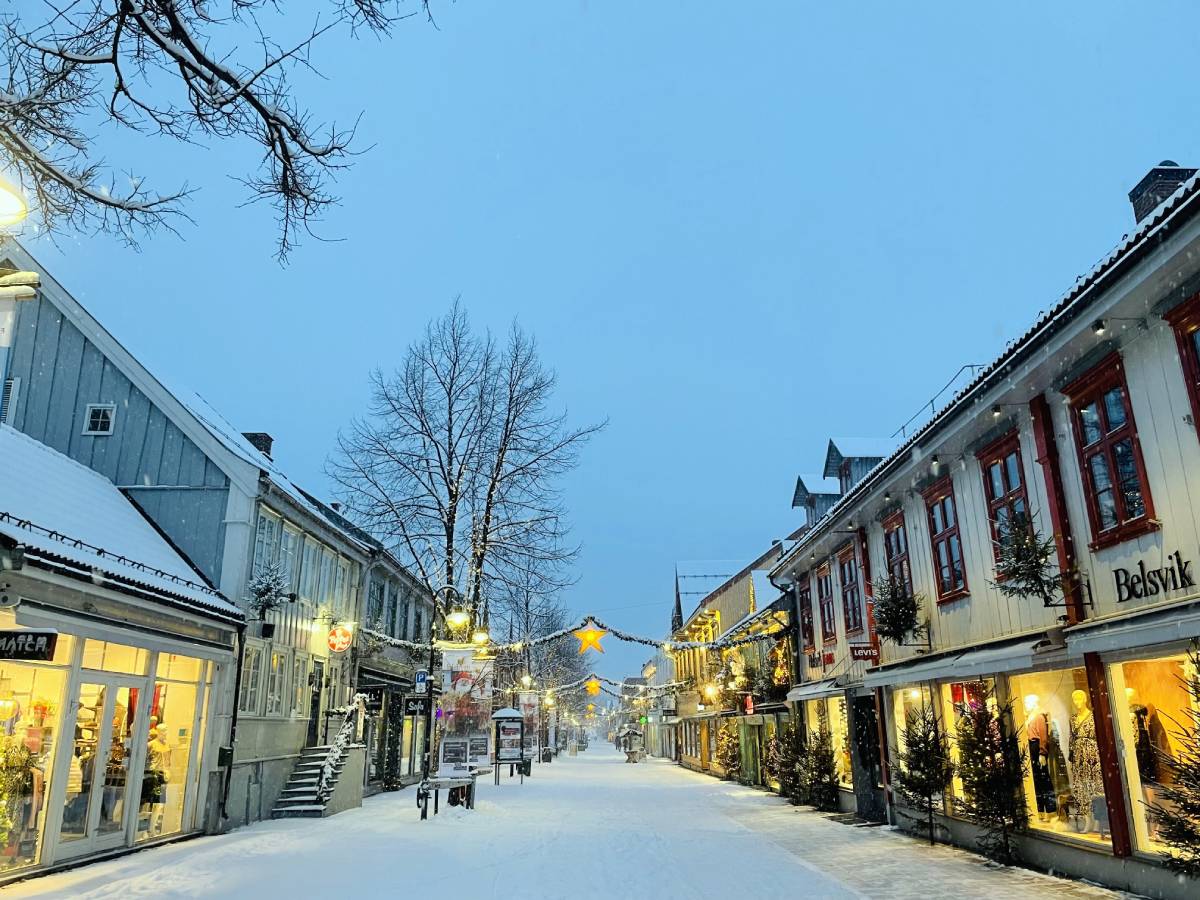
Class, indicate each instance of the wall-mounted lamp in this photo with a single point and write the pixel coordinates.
(1099, 326)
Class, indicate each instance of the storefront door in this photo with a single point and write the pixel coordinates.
(98, 802)
(314, 703)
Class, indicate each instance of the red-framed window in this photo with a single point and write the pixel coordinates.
(1004, 486)
(949, 573)
(852, 608)
(804, 597)
(895, 551)
(1114, 476)
(1185, 319)
(825, 601)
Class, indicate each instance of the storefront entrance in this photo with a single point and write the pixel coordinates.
(97, 806)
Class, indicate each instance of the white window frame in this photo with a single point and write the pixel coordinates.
(250, 690)
(277, 679)
(266, 539)
(110, 408)
(301, 672)
(291, 547)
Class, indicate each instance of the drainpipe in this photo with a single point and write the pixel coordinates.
(233, 720)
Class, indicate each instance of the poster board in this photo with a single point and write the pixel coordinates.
(465, 733)
(509, 740)
(528, 705)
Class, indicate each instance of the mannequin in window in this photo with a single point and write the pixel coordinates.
(1037, 733)
(1084, 757)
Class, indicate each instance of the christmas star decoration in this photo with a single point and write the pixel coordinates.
(590, 637)
(592, 685)
(591, 707)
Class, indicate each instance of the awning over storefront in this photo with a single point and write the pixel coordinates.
(1162, 626)
(811, 691)
(1004, 657)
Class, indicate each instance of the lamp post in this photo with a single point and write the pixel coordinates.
(456, 618)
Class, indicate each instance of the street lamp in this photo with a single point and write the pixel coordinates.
(13, 208)
(526, 680)
(444, 598)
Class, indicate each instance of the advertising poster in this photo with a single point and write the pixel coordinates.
(528, 705)
(465, 732)
(509, 748)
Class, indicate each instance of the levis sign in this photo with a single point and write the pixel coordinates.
(1142, 582)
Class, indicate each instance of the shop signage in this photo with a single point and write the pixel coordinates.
(749, 705)
(864, 651)
(1143, 582)
(421, 682)
(31, 644)
(416, 706)
(827, 659)
(340, 638)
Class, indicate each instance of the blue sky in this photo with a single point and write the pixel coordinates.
(735, 231)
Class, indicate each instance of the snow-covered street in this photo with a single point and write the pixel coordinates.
(589, 826)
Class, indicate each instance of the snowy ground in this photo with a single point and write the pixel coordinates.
(584, 827)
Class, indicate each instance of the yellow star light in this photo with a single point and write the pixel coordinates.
(591, 707)
(593, 686)
(590, 637)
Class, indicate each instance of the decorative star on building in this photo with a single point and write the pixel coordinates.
(590, 637)
(593, 686)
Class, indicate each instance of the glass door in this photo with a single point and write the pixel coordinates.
(96, 800)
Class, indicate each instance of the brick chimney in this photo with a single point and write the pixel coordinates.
(262, 441)
(1159, 184)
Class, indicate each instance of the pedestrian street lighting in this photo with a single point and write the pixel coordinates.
(481, 635)
(458, 618)
(13, 207)
(526, 680)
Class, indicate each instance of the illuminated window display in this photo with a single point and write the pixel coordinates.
(827, 715)
(1149, 698)
(1063, 786)
(906, 700)
(957, 697)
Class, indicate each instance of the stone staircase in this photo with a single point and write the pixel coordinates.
(299, 799)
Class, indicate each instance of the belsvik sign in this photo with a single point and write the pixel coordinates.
(1137, 583)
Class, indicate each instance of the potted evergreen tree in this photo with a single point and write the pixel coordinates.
(992, 767)
(1178, 813)
(924, 768)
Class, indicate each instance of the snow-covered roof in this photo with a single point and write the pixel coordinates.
(236, 443)
(54, 506)
(1172, 212)
(808, 485)
(855, 448)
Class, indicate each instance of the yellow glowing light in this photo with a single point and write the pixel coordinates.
(549, 701)
(590, 637)
(13, 208)
(593, 686)
(591, 707)
(915, 694)
(458, 618)
(711, 691)
(526, 680)
(480, 636)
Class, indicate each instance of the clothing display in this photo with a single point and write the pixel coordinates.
(1084, 755)
(1037, 730)
(1151, 745)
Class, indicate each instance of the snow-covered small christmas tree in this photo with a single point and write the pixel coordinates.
(820, 773)
(923, 765)
(268, 589)
(728, 752)
(992, 766)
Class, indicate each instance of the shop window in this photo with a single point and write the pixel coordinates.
(851, 601)
(1152, 702)
(31, 706)
(1004, 487)
(895, 551)
(825, 601)
(174, 667)
(956, 698)
(252, 661)
(804, 590)
(170, 752)
(1110, 457)
(109, 657)
(827, 715)
(276, 683)
(907, 701)
(946, 545)
(1063, 787)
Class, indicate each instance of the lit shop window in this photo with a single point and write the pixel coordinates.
(828, 716)
(908, 701)
(957, 698)
(1064, 790)
(1152, 702)
(109, 657)
(31, 701)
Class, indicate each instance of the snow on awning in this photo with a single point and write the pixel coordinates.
(69, 517)
(815, 689)
(1004, 657)
(1163, 626)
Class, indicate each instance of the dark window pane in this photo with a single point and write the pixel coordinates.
(949, 502)
(1114, 408)
(935, 513)
(1089, 424)
(1127, 474)
(1101, 478)
(1106, 504)
(996, 481)
(1012, 467)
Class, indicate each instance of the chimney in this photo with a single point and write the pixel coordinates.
(262, 441)
(1159, 184)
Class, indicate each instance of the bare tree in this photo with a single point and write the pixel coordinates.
(459, 460)
(528, 613)
(172, 68)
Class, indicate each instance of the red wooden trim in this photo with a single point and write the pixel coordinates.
(944, 487)
(951, 596)
(868, 597)
(994, 453)
(1047, 457)
(1185, 320)
(1110, 764)
(1091, 387)
(1109, 367)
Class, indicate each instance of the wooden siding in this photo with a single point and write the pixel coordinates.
(61, 372)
